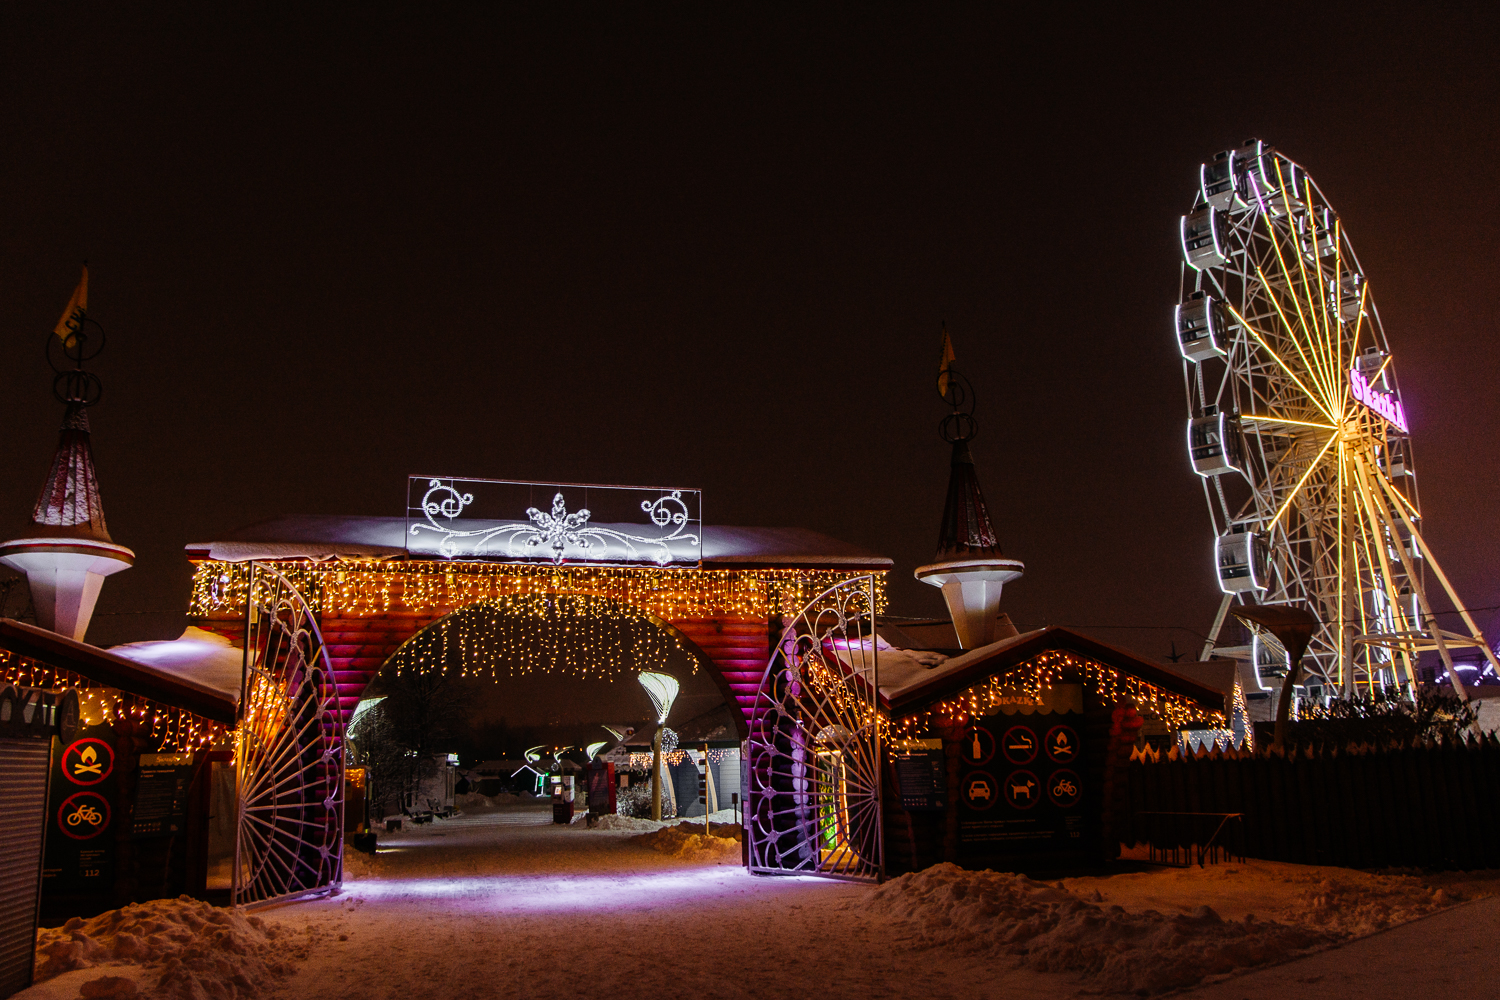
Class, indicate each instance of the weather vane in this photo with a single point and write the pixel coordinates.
(958, 393)
(79, 339)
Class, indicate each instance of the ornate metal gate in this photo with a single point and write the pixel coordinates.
(289, 751)
(814, 782)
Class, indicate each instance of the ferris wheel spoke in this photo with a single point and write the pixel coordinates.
(1313, 398)
(1317, 304)
(1315, 372)
(1313, 467)
(1310, 214)
(1264, 419)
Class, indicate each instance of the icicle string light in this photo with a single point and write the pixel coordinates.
(1039, 673)
(171, 730)
(432, 586)
(581, 635)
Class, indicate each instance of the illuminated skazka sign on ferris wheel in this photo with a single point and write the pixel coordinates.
(1384, 403)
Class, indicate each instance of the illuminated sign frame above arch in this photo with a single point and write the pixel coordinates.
(559, 523)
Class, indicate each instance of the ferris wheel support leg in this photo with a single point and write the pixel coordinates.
(1489, 654)
(1429, 619)
(1348, 667)
(1213, 633)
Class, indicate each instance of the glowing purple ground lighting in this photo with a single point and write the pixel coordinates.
(516, 861)
(569, 893)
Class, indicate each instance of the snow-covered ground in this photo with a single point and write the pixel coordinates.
(504, 903)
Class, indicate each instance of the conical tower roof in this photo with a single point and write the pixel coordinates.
(967, 531)
(69, 504)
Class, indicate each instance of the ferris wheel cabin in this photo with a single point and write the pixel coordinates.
(1203, 240)
(1344, 298)
(1277, 191)
(1202, 330)
(1320, 234)
(1244, 565)
(1215, 445)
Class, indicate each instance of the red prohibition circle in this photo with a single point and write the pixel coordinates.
(1021, 789)
(1062, 744)
(980, 790)
(88, 761)
(977, 745)
(83, 815)
(1064, 788)
(1019, 745)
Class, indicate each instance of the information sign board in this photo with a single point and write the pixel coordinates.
(1020, 789)
(161, 792)
(922, 780)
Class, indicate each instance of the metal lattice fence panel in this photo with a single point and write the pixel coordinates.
(814, 751)
(289, 752)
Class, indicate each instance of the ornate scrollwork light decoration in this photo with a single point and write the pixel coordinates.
(552, 534)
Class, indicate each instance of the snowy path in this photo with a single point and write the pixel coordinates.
(506, 904)
(1450, 953)
(509, 905)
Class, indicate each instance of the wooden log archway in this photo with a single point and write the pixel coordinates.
(368, 609)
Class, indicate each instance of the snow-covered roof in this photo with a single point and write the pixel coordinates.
(172, 678)
(326, 536)
(910, 691)
(910, 678)
(196, 656)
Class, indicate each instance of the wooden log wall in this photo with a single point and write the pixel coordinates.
(1426, 805)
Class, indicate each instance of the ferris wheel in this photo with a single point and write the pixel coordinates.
(1296, 426)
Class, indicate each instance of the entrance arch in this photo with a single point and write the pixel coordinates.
(368, 603)
(504, 630)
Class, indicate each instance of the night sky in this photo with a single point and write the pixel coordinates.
(713, 247)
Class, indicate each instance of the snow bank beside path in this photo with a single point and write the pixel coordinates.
(631, 823)
(1048, 929)
(723, 817)
(686, 840)
(199, 950)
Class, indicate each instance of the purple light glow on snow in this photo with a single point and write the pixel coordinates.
(554, 894)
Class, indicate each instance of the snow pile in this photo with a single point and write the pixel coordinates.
(686, 840)
(614, 821)
(358, 864)
(1049, 929)
(617, 821)
(201, 950)
(1355, 903)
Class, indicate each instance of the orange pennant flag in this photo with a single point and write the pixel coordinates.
(947, 363)
(72, 317)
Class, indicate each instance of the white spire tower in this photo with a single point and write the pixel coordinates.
(969, 566)
(66, 553)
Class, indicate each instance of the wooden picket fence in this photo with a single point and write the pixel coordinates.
(1423, 805)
